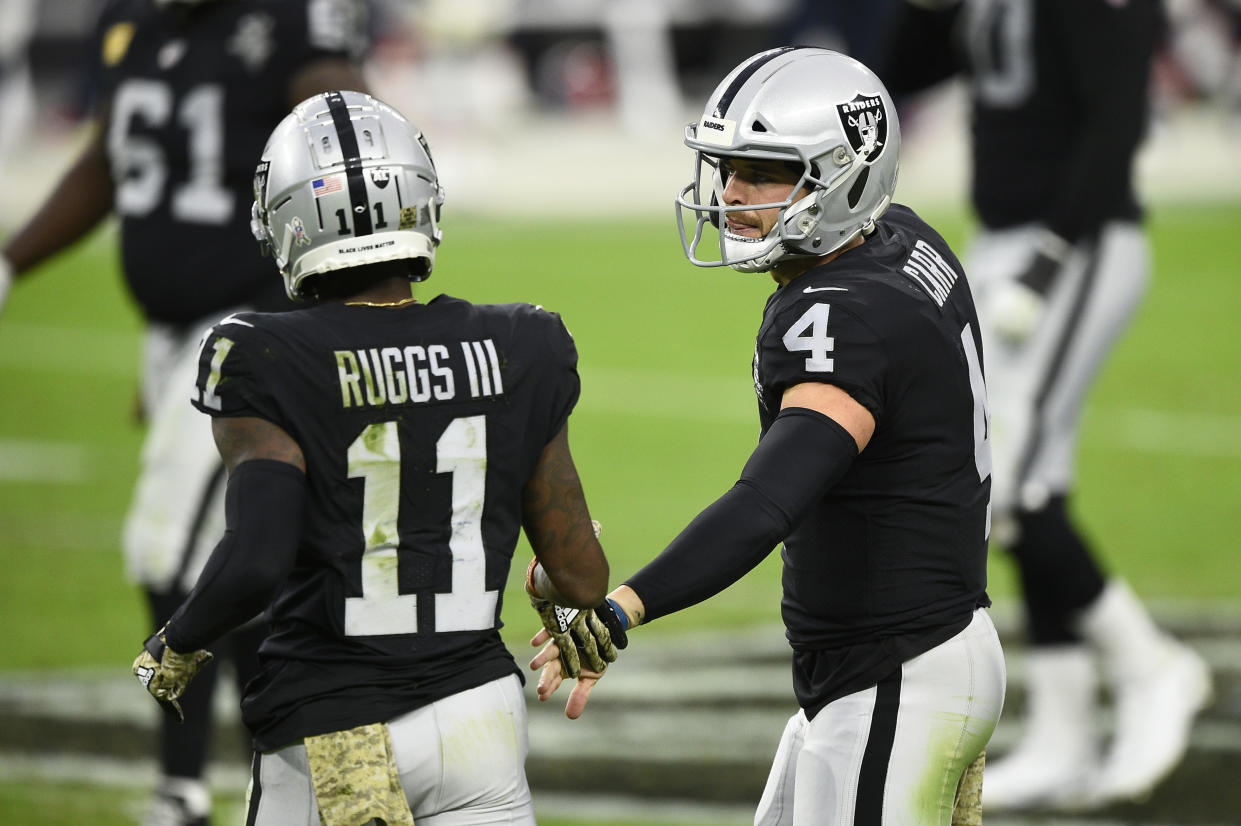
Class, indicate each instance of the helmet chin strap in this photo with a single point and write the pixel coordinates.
(759, 263)
(794, 213)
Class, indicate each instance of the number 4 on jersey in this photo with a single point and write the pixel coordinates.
(816, 342)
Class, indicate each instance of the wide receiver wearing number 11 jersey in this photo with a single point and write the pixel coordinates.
(419, 425)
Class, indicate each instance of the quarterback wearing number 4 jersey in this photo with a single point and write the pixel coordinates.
(895, 552)
(873, 467)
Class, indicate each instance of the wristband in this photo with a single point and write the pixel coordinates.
(621, 616)
(611, 615)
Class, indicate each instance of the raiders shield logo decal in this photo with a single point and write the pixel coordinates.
(865, 122)
(260, 182)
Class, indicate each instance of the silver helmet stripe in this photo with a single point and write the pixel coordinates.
(358, 198)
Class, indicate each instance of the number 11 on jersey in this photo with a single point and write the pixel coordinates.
(375, 457)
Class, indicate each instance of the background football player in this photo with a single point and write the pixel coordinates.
(190, 92)
(383, 457)
(873, 466)
(1059, 93)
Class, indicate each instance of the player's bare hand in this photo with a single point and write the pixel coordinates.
(552, 673)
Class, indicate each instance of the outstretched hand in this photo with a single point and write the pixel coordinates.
(552, 673)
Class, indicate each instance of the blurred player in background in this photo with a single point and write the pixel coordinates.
(856, 29)
(17, 23)
(873, 466)
(1060, 93)
(190, 92)
(383, 456)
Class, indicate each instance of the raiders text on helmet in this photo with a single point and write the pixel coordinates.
(345, 180)
(821, 110)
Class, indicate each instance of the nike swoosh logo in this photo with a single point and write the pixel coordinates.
(825, 289)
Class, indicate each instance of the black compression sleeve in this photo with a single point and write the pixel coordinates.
(263, 507)
(797, 461)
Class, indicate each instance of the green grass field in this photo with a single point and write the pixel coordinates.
(666, 420)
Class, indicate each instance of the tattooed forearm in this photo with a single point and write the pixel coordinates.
(557, 522)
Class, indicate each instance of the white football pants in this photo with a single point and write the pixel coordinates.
(1037, 388)
(892, 754)
(462, 762)
(176, 516)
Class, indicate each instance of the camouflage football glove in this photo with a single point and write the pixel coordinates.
(582, 635)
(166, 674)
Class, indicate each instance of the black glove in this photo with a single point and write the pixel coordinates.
(1018, 305)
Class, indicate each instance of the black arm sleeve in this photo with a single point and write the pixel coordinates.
(263, 507)
(797, 461)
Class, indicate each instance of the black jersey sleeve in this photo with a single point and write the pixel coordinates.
(824, 340)
(561, 384)
(1108, 48)
(234, 373)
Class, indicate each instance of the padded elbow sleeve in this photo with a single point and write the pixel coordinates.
(263, 507)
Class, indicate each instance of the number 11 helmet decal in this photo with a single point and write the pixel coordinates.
(345, 180)
(823, 112)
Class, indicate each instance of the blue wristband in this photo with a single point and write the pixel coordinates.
(620, 614)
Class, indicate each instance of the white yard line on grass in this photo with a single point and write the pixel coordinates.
(30, 460)
(70, 350)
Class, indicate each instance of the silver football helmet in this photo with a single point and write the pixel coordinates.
(345, 180)
(822, 111)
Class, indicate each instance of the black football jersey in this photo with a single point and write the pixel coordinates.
(896, 550)
(191, 95)
(420, 426)
(1059, 92)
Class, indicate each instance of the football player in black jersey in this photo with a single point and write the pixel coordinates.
(383, 456)
(1059, 96)
(190, 92)
(873, 467)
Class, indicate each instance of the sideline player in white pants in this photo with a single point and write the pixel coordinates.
(1060, 99)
